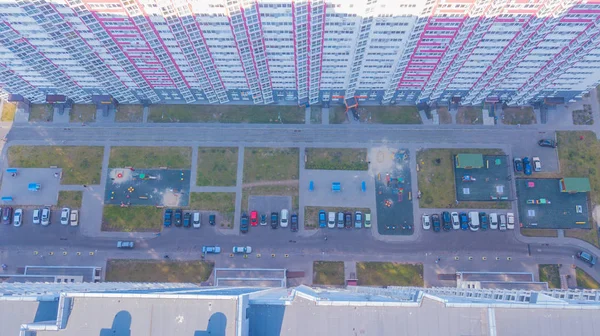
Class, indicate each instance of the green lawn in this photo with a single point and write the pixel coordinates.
(70, 199)
(469, 115)
(585, 281)
(132, 219)
(83, 113)
(129, 113)
(270, 164)
(445, 117)
(436, 179)
(217, 166)
(329, 273)
(390, 114)
(258, 114)
(271, 190)
(311, 214)
(549, 273)
(41, 112)
(223, 203)
(522, 115)
(389, 274)
(316, 114)
(337, 114)
(150, 157)
(130, 270)
(80, 164)
(8, 111)
(539, 232)
(337, 158)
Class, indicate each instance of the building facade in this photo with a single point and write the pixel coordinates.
(300, 51)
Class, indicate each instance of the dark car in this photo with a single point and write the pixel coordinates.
(178, 215)
(527, 166)
(212, 219)
(274, 220)
(547, 143)
(483, 221)
(588, 258)
(464, 221)
(187, 219)
(294, 223)
(518, 164)
(348, 220)
(244, 223)
(322, 219)
(168, 217)
(446, 221)
(7, 215)
(435, 219)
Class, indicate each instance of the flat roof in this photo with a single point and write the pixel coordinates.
(575, 184)
(545, 322)
(13, 313)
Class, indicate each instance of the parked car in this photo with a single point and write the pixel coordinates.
(483, 221)
(322, 219)
(587, 257)
(502, 224)
(511, 221)
(211, 249)
(518, 164)
(74, 218)
(331, 220)
(348, 220)
(368, 220)
(294, 223)
(244, 223)
(446, 221)
(474, 221)
(358, 220)
(64, 216)
(178, 215)
(187, 219)
(7, 215)
(254, 218)
(45, 217)
(167, 220)
(263, 220)
(36, 216)
(340, 220)
(464, 221)
(537, 164)
(436, 222)
(527, 166)
(242, 249)
(494, 221)
(196, 220)
(274, 220)
(455, 221)
(547, 143)
(426, 222)
(125, 244)
(283, 221)
(18, 217)
(212, 220)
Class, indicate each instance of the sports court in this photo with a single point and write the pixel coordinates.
(158, 187)
(482, 177)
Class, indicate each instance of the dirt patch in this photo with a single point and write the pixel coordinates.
(170, 198)
(583, 117)
(522, 115)
(469, 115)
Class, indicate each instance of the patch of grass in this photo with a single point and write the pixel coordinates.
(271, 190)
(8, 111)
(80, 164)
(329, 273)
(469, 115)
(223, 203)
(257, 114)
(389, 274)
(217, 166)
(445, 117)
(270, 164)
(522, 115)
(311, 214)
(132, 219)
(337, 114)
(588, 235)
(316, 114)
(129, 113)
(549, 273)
(584, 280)
(387, 114)
(150, 157)
(129, 270)
(41, 112)
(337, 158)
(583, 117)
(436, 179)
(70, 199)
(539, 232)
(83, 113)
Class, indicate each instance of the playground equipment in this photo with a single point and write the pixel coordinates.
(34, 187)
(538, 201)
(311, 186)
(12, 171)
(468, 178)
(7, 199)
(363, 186)
(336, 186)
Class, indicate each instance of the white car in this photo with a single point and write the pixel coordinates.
(426, 222)
(455, 221)
(74, 217)
(511, 221)
(45, 217)
(537, 164)
(494, 221)
(331, 220)
(36, 216)
(196, 218)
(283, 220)
(64, 216)
(242, 249)
(502, 222)
(18, 217)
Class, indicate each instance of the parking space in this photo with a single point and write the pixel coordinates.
(32, 186)
(28, 230)
(489, 182)
(530, 148)
(268, 204)
(161, 187)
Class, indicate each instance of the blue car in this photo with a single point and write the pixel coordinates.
(244, 224)
(211, 249)
(464, 221)
(168, 217)
(322, 219)
(527, 166)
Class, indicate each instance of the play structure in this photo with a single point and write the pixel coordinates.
(34, 187)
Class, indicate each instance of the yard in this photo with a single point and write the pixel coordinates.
(445, 117)
(8, 111)
(270, 164)
(311, 214)
(69, 199)
(436, 179)
(316, 114)
(522, 115)
(389, 274)
(132, 219)
(469, 115)
(290, 189)
(83, 113)
(129, 113)
(130, 270)
(217, 166)
(376, 114)
(150, 157)
(549, 273)
(584, 280)
(583, 117)
(337, 158)
(254, 114)
(221, 202)
(41, 112)
(328, 273)
(337, 114)
(80, 164)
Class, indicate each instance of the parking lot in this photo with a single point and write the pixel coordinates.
(548, 156)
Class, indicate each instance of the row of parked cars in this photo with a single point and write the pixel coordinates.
(525, 165)
(344, 220)
(276, 220)
(185, 219)
(39, 216)
(217, 249)
(473, 221)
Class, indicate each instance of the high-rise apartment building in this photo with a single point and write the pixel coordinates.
(299, 51)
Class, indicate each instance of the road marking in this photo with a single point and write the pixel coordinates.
(456, 258)
(470, 258)
(78, 253)
(91, 253)
(245, 256)
(286, 255)
(35, 253)
(230, 255)
(483, 258)
(51, 253)
(64, 252)
(508, 258)
(272, 255)
(497, 258)
(258, 255)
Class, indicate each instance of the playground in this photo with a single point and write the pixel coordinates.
(158, 187)
(482, 177)
(542, 205)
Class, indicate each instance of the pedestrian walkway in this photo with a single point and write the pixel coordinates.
(350, 270)
(568, 276)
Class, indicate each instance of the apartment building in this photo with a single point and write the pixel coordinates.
(300, 51)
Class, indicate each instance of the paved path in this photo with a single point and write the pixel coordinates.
(270, 183)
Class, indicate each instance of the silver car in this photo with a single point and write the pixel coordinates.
(45, 217)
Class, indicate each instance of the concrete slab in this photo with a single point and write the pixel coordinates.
(109, 118)
(61, 118)
(16, 187)
(350, 194)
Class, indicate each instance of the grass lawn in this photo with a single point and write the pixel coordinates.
(130, 270)
(522, 115)
(316, 114)
(150, 157)
(129, 113)
(549, 273)
(8, 111)
(584, 280)
(311, 214)
(389, 114)
(337, 114)
(41, 112)
(83, 113)
(70, 199)
(583, 117)
(330, 273)
(436, 179)
(257, 114)
(223, 203)
(445, 117)
(469, 115)
(270, 164)
(80, 164)
(217, 166)
(132, 219)
(337, 158)
(389, 274)
(539, 232)
(271, 190)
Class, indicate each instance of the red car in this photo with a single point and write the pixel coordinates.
(254, 218)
